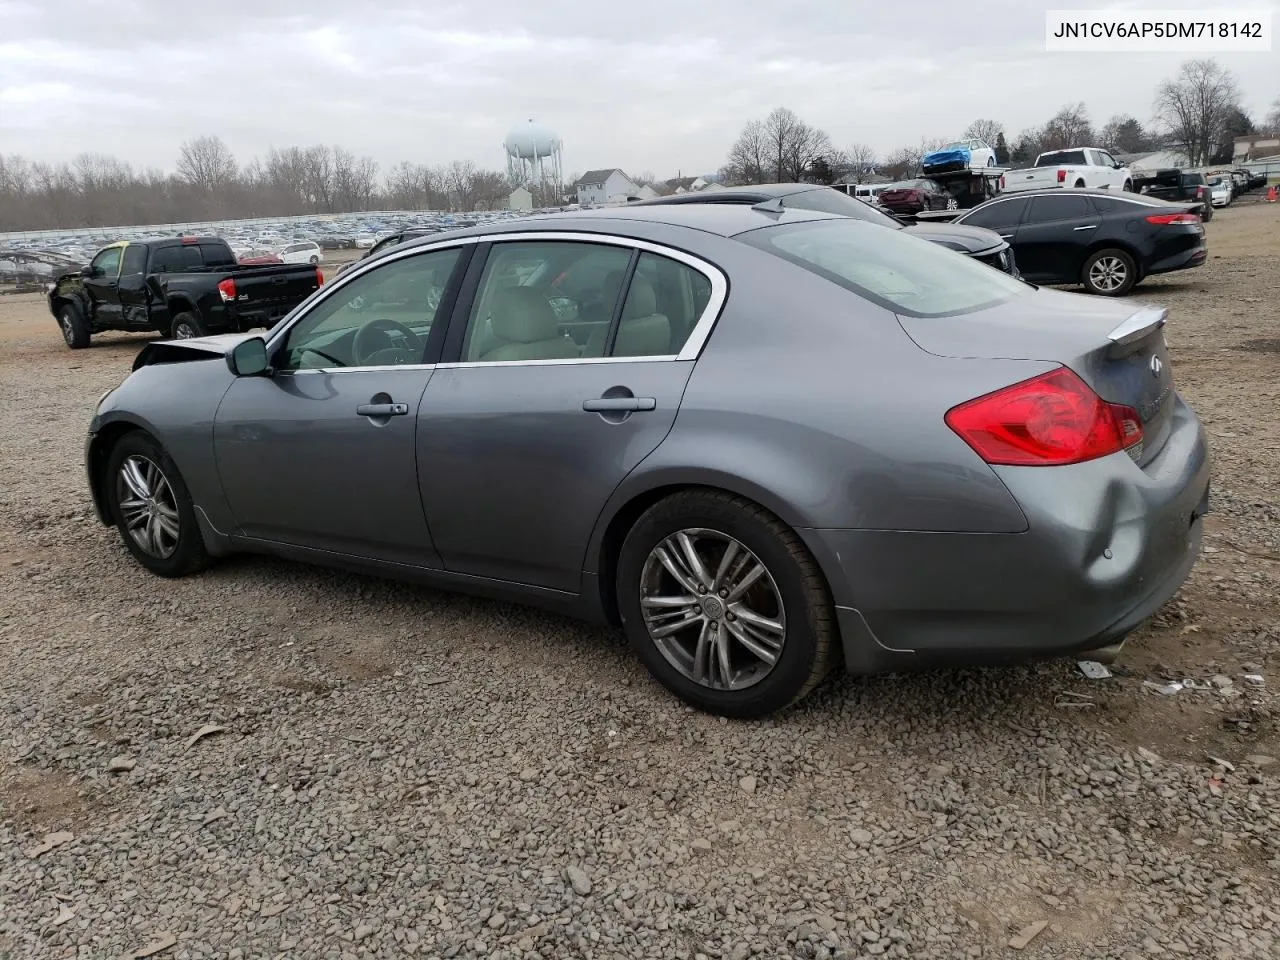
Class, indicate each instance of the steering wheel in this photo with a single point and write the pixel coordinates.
(386, 337)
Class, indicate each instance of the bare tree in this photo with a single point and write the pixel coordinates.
(861, 159)
(1196, 105)
(1272, 123)
(1070, 127)
(206, 163)
(747, 157)
(988, 131)
(1124, 134)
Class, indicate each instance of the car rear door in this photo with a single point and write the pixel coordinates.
(1053, 240)
(534, 420)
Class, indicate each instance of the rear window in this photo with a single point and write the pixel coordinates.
(888, 267)
(1060, 157)
(217, 255)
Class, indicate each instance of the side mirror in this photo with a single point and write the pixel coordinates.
(248, 358)
(88, 271)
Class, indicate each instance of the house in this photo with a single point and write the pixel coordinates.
(1257, 147)
(688, 185)
(647, 192)
(601, 186)
(520, 199)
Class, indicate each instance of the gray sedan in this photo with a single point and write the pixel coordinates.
(768, 444)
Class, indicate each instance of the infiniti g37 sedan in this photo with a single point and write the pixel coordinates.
(768, 445)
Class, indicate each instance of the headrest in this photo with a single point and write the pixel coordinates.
(641, 299)
(522, 315)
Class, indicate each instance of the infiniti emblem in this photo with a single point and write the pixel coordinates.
(1156, 367)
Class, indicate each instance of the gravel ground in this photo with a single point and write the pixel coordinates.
(386, 770)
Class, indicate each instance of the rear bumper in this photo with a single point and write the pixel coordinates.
(1107, 544)
(1192, 257)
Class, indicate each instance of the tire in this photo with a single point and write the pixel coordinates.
(991, 161)
(1079, 184)
(791, 594)
(952, 204)
(154, 544)
(75, 330)
(315, 260)
(1109, 273)
(185, 326)
(1128, 186)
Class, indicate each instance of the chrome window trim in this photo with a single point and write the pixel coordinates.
(691, 350)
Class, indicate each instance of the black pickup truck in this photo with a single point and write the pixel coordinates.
(181, 287)
(1177, 186)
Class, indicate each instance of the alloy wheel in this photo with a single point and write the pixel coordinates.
(712, 609)
(147, 506)
(68, 329)
(1108, 273)
(184, 331)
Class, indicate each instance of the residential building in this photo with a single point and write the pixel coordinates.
(602, 186)
(520, 199)
(1260, 146)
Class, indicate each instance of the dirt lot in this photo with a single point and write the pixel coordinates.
(397, 771)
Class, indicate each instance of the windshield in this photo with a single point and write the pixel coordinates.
(827, 200)
(1060, 157)
(895, 270)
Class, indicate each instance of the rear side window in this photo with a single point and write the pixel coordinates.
(217, 255)
(899, 272)
(175, 259)
(1061, 158)
(663, 303)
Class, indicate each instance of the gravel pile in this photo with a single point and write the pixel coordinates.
(277, 761)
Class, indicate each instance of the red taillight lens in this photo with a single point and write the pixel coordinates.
(1062, 176)
(319, 278)
(1049, 420)
(227, 290)
(1163, 218)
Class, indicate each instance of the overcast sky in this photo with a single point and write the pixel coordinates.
(654, 86)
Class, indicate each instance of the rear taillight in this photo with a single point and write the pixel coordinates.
(1062, 176)
(227, 290)
(319, 278)
(1199, 193)
(1165, 218)
(1049, 420)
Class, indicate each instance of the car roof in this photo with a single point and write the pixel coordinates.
(720, 219)
(762, 190)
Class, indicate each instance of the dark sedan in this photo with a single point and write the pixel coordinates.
(985, 246)
(1102, 240)
(915, 196)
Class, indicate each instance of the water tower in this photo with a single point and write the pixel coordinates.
(533, 157)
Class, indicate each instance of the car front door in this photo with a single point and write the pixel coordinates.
(102, 287)
(527, 432)
(132, 288)
(321, 453)
(1051, 244)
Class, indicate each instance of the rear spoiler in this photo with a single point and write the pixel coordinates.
(1135, 328)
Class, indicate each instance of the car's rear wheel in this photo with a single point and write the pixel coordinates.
(991, 161)
(725, 605)
(185, 326)
(152, 508)
(314, 260)
(1109, 273)
(75, 330)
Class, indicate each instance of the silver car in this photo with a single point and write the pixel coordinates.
(768, 444)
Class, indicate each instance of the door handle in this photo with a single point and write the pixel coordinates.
(382, 410)
(1092, 226)
(619, 404)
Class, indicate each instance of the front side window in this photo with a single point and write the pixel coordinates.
(107, 263)
(899, 272)
(998, 215)
(545, 300)
(382, 318)
(1059, 207)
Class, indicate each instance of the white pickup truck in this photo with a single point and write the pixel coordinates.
(1076, 167)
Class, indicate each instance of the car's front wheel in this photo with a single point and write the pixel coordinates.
(725, 605)
(152, 508)
(75, 331)
(1109, 273)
